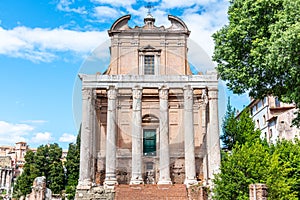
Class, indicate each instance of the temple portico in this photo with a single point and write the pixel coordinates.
(148, 119)
(136, 86)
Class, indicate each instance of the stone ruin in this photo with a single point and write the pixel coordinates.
(39, 190)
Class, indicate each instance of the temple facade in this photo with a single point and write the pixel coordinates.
(148, 119)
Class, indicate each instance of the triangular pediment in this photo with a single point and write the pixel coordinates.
(148, 118)
(149, 48)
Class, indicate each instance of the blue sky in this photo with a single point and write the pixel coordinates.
(44, 44)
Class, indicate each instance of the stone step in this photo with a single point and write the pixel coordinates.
(151, 192)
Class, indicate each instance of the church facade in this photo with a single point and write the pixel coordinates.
(148, 119)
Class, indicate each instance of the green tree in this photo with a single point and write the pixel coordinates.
(72, 167)
(252, 160)
(259, 50)
(246, 164)
(45, 162)
(289, 156)
(229, 123)
(256, 163)
(56, 177)
(238, 129)
(25, 180)
(55, 171)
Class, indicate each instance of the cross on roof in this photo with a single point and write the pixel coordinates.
(149, 6)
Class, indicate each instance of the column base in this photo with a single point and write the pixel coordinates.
(136, 181)
(164, 182)
(84, 184)
(190, 182)
(110, 184)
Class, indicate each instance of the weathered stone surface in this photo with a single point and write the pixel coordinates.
(258, 191)
(39, 190)
(95, 193)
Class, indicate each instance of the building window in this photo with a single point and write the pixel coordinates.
(265, 134)
(257, 124)
(149, 60)
(277, 102)
(149, 64)
(149, 142)
(264, 118)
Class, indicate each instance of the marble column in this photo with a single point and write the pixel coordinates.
(93, 137)
(136, 177)
(4, 178)
(189, 146)
(85, 141)
(111, 136)
(164, 157)
(213, 136)
(204, 110)
(8, 179)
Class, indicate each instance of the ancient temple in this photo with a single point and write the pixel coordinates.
(148, 119)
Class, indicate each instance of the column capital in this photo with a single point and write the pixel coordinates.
(188, 92)
(112, 93)
(86, 93)
(137, 92)
(213, 93)
(163, 93)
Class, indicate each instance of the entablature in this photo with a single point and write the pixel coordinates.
(149, 81)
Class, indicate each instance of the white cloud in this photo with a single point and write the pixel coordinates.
(184, 3)
(66, 137)
(116, 3)
(204, 24)
(36, 121)
(203, 18)
(9, 128)
(41, 45)
(42, 137)
(11, 133)
(64, 5)
(105, 12)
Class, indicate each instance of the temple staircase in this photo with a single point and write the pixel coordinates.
(159, 192)
(151, 192)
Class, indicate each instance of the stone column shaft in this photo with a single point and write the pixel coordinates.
(213, 136)
(93, 137)
(3, 177)
(137, 177)
(85, 140)
(189, 146)
(9, 179)
(1, 170)
(204, 126)
(164, 157)
(111, 136)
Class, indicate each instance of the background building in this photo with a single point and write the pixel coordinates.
(274, 119)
